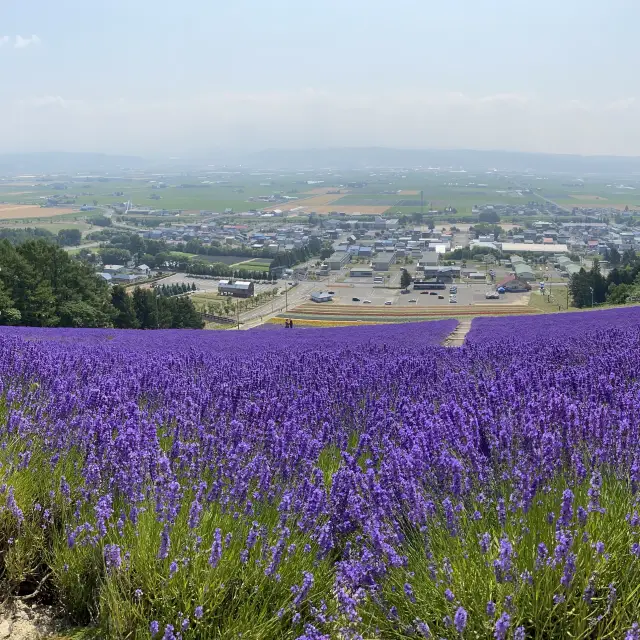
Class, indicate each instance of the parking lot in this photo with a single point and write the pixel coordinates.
(466, 294)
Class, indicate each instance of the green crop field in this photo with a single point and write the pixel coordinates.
(251, 265)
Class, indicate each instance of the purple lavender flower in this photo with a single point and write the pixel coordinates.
(595, 486)
(582, 516)
(303, 591)
(448, 594)
(502, 512)
(173, 569)
(569, 570)
(485, 542)
(112, 558)
(423, 628)
(519, 634)
(502, 566)
(566, 511)
(216, 549)
(165, 544)
(502, 626)
(491, 609)
(154, 628)
(460, 619)
(408, 592)
(13, 507)
(198, 612)
(633, 633)
(542, 555)
(169, 633)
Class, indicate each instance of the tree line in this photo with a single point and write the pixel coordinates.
(147, 309)
(621, 285)
(42, 286)
(64, 237)
(175, 289)
(123, 247)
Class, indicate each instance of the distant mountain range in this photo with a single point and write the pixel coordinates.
(64, 163)
(364, 158)
(334, 158)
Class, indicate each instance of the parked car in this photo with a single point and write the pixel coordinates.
(366, 302)
(453, 299)
(413, 300)
(453, 289)
(405, 291)
(331, 293)
(355, 299)
(492, 295)
(440, 297)
(432, 293)
(388, 302)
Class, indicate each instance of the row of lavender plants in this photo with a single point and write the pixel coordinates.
(330, 483)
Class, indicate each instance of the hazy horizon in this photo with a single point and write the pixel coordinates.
(150, 78)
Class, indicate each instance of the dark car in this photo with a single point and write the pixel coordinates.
(440, 297)
(425, 293)
(405, 291)
(331, 293)
(433, 293)
(355, 299)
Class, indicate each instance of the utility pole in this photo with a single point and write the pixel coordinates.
(238, 313)
(591, 289)
(286, 297)
(567, 296)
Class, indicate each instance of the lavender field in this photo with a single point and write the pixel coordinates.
(361, 482)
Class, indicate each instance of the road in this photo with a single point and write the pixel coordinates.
(88, 245)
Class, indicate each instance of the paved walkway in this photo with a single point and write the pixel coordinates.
(456, 338)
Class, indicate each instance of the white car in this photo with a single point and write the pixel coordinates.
(388, 302)
(366, 302)
(492, 295)
(453, 299)
(413, 300)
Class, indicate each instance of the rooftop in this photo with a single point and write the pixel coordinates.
(535, 247)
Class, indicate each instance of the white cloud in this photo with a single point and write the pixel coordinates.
(22, 43)
(4, 40)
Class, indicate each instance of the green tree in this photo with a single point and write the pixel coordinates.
(488, 216)
(629, 257)
(145, 304)
(185, 315)
(69, 237)
(9, 314)
(614, 257)
(101, 221)
(125, 313)
(598, 283)
(405, 279)
(579, 288)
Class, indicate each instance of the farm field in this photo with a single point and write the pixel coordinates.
(254, 265)
(327, 483)
(239, 192)
(381, 313)
(24, 212)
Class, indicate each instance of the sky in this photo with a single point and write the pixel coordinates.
(160, 77)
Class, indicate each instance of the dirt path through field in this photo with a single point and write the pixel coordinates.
(457, 336)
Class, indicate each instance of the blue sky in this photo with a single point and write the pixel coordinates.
(166, 77)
